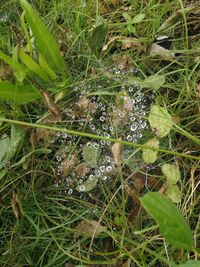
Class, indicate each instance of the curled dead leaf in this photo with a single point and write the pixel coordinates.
(157, 50)
(90, 228)
(117, 153)
(51, 106)
(123, 42)
(67, 165)
(16, 205)
(83, 103)
(82, 169)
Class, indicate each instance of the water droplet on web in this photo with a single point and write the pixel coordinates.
(91, 177)
(58, 158)
(105, 127)
(104, 178)
(70, 191)
(97, 173)
(121, 114)
(129, 138)
(82, 188)
(89, 144)
(133, 127)
(107, 158)
(102, 118)
(102, 168)
(132, 118)
(109, 168)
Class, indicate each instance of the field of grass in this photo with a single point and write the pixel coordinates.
(84, 142)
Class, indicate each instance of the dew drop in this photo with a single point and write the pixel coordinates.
(70, 191)
(102, 168)
(129, 138)
(133, 127)
(109, 168)
(82, 188)
(58, 158)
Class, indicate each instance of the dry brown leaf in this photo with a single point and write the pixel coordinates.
(68, 165)
(198, 90)
(124, 43)
(83, 103)
(90, 228)
(82, 169)
(126, 263)
(15, 204)
(51, 106)
(157, 50)
(117, 153)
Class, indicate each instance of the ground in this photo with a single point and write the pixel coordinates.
(74, 161)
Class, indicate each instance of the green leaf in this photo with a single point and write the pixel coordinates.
(32, 65)
(172, 224)
(36, 151)
(160, 120)
(131, 28)
(171, 172)
(148, 155)
(9, 145)
(19, 69)
(44, 65)
(139, 18)
(46, 43)
(127, 17)
(88, 185)
(20, 94)
(154, 82)
(96, 37)
(173, 192)
(91, 155)
(190, 264)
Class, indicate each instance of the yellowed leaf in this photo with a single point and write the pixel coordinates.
(117, 153)
(16, 205)
(90, 228)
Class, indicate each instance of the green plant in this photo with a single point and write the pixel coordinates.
(42, 63)
(131, 22)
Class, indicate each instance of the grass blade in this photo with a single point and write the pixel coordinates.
(20, 94)
(46, 43)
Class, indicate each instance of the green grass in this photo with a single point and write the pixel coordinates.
(46, 234)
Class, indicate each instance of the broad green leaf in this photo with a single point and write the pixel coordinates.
(96, 37)
(190, 264)
(36, 151)
(90, 227)
(127, 17)
(46, 67)
(139, 18)
(32, 65)
(173, 192)
(88, 185)
(19, 69)
(171, 172)
(148, 155)
(20, 94)
(29, 45)
(160, 120)
(172, 224)
(91, 155)
(131, 28)
(46, 44)
(9, 145)
(154, 82)
(6, 58)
